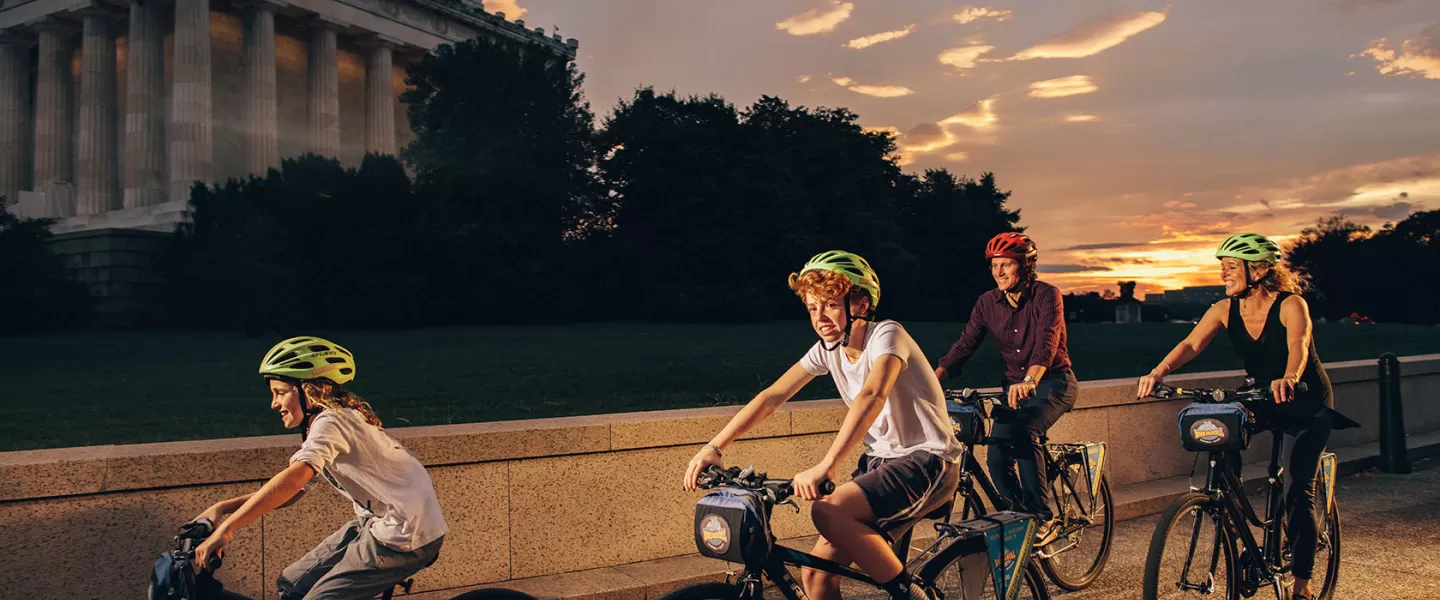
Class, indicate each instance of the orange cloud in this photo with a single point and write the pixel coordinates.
(802, 79)
(1073, 85)
(981, 116)
(878, 91)
(1081, 118)
(1093, 38)
(927, 138)
(1417, 58)
(871, 40)
(511, 8)
(957, 156)
(817, 20)
(963, 57)
(968, 14)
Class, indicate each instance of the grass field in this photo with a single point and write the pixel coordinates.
(110, 388)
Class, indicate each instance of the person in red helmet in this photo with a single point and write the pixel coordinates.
(1027, 318)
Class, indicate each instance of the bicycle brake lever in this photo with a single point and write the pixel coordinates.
(791, 502)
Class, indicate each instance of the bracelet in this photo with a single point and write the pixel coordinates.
(715, 449)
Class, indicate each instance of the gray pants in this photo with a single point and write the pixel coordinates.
(352, 565)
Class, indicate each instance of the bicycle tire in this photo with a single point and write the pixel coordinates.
(1052, 565)
(494, 594)
(1332, 566)
(937, 571)
(1184, 505)
(713, 590)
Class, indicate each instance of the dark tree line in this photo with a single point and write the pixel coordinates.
(1387, 275)
(36, 292)
(522, 209)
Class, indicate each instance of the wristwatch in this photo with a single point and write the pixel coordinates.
(1028, 379)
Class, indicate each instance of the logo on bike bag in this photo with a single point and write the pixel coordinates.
(715, 533)
(1209, 431)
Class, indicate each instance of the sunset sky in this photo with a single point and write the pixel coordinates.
(1134, 134)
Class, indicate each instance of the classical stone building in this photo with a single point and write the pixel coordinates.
(111, 109)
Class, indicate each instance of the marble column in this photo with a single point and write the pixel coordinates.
(145, 106)
(98, 190)
(14, 116)
(379, 100)
(324, 90)
(54, 123)
(191, 135)
(261, 114)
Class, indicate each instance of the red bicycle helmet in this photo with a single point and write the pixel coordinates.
(1011, 244)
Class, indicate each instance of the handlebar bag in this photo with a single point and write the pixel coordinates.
(171, 579)
(731, 525)
(967, 422)
(1209, 427)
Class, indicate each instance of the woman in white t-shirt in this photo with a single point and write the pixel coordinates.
(398, 528)
(896, 407)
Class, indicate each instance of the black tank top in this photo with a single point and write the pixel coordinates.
(1267, 356)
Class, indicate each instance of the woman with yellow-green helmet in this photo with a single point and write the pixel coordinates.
(398, 528)
(1268, 323)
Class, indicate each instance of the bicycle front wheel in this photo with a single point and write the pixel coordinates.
(1078, 555)
(1191, 553)
(494, 594)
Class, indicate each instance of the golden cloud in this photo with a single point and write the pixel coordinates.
(511, 8)
(957, 156)
(817, 20)
(1094, 37)
(802, 79)
(1417, 58)
(968, 14)
(981, 116)
(963, 57)
(1073, 85)
(878, 91)
(1081, 118)
(871, 40)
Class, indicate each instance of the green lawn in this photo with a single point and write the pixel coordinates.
(104, 388)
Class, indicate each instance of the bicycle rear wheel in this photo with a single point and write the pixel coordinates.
(1077, 557)
(494, 594)
(1327, 555)
(1191, 553)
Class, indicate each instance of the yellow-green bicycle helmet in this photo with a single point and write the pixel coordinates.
(1249, 247)
(309, 357)
(852, 266)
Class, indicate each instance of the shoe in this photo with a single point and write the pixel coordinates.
(1046, 532)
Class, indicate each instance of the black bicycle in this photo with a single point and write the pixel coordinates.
(1213, 551)
(175, 576)
(987, 557)
(1075, 551)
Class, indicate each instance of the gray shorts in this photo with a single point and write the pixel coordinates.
(903, 490)
(352, 565)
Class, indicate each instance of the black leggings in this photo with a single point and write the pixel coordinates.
(1026, 493)
(1304, 443)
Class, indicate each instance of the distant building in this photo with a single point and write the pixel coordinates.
(1203, 294)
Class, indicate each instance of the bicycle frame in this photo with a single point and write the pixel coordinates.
(774, 569)
(1223, 486)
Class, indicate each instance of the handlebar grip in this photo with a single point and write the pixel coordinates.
(827, 488)
(215, 563)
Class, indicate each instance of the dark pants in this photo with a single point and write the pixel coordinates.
(1018, 445)
(1304, 443)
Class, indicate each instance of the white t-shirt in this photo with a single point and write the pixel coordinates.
(914, 417)
(378, 475)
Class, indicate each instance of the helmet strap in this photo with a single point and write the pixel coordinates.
(849, 322)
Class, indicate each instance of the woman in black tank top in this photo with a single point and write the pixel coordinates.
(1263, 295)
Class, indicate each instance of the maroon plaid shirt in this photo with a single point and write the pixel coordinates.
(1032, 333)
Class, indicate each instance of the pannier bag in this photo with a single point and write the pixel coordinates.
(967, 422)
(1206, 427)
(730, 525)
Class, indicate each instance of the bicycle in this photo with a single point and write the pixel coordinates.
(732, 523)
(1079, 490)
(1219, 516)
(175, 576)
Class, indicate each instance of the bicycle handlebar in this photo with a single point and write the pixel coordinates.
(1248, 394)
(779, 490)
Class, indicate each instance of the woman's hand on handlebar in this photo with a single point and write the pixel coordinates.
(213, 514)
(213, 547)
(1148, 383)
(808, 483)
(707, 456)
(1283, 390)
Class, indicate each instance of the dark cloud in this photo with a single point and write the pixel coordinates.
(1392, 212)
(1044, 268)
(1127, 261)
(1105, 246)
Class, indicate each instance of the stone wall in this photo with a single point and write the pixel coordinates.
(522, 498)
